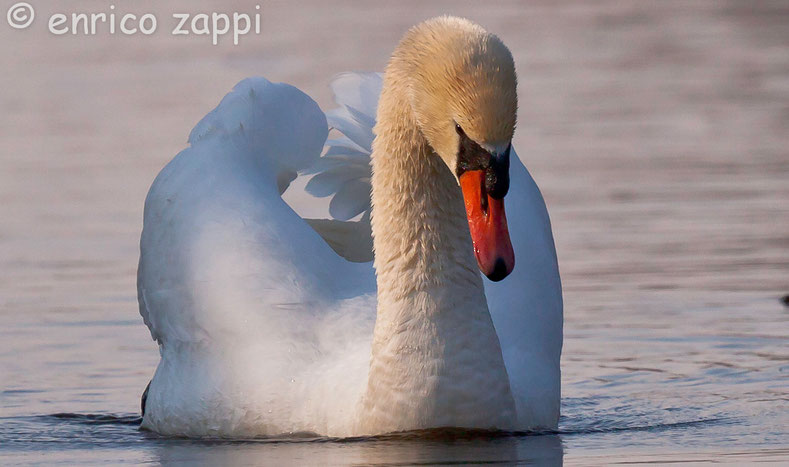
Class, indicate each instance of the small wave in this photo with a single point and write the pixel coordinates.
(652, 427)
(449, 434)
(434, 434)
(95, 419)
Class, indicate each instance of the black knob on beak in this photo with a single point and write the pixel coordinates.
(497, 176)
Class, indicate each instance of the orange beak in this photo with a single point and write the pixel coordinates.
(488, 225)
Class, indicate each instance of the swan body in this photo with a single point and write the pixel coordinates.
(269, 323)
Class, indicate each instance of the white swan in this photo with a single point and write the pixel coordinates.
(264, 329)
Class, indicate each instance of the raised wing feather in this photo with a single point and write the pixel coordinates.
(344, 170)
(221, 252)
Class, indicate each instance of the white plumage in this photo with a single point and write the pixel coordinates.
(263, 328)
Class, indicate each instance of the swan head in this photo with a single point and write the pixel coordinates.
(462, 90)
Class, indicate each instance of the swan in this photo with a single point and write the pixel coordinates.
(377, 320)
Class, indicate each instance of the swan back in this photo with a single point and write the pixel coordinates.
(262, 328)
(211, 202)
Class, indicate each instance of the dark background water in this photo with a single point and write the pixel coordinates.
(658, 132)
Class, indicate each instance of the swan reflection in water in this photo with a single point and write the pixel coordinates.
(505, 450)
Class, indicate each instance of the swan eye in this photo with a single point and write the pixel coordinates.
(458, 129)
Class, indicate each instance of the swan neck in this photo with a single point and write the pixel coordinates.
(420, 231)
(433, 335)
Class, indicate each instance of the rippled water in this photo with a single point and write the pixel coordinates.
(658, 132)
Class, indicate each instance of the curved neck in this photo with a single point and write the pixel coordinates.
(433, 332)
(420, 232)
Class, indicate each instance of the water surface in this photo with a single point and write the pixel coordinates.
(657, 131)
